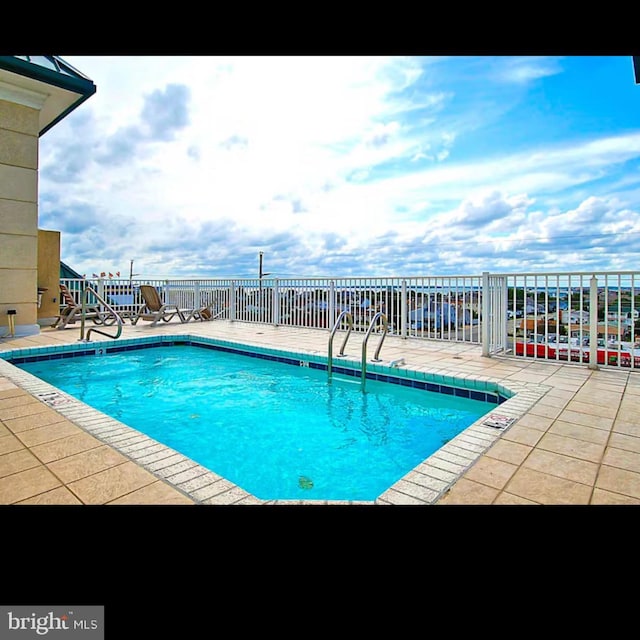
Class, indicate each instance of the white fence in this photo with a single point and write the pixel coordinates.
(550, 316)
(568, 316)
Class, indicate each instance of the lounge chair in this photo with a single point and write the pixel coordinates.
(203, 314)
(155, 310)
(72, 311)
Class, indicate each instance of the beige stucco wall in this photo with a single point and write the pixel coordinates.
(19, 216)
(49, 276)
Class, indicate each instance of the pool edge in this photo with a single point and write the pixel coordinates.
(424, 484)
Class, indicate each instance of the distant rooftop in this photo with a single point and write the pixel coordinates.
(29, 73)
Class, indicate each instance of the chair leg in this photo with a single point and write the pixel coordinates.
(137, 315)
(65, 319)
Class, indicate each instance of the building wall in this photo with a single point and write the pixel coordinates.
(19, 217)
(48, 276)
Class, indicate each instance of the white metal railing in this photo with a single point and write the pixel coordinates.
(494, 310)
(441, 308)
(567, 317)
(548, 316)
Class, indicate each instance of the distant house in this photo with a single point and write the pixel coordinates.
(531, 307)
(606, 331)
(436, 315)
(625, 314)
(574, 317)
(67, 272)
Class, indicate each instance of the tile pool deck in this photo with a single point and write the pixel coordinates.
(574, 440)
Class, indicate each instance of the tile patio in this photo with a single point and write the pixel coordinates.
(575, 440)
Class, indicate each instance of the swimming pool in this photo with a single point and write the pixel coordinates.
(273, 448)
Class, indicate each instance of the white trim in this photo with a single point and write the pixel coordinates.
(20, 95)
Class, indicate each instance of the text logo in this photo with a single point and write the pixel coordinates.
(74, 623)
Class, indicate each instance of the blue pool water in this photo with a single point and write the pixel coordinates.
(276, 430)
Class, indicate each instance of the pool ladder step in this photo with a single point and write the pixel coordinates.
(348, 318)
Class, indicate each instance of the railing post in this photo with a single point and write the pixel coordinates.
(404, 310)
(83, 314)
(275, 302)
(232, 300)
(593, 324)
(504, 302)
(100, 290)
(197, 303)
(331, 318)
(484, 316)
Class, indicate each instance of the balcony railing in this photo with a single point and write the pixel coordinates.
(547, 316)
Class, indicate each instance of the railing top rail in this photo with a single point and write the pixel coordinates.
(567, 273)
(265, 281)
(359, 279)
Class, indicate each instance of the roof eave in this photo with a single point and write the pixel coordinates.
(74, 85)
(65, 113)
(81, 85)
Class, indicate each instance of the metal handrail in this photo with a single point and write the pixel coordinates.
(385, 328)
(85, 295)
(349, 318)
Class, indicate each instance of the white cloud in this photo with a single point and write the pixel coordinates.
(309, 148)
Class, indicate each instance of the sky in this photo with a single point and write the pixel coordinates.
(341, 166)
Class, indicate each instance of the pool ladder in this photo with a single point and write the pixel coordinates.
(346, 316)
(110, 317)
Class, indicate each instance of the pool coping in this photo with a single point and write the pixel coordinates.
(424, 484)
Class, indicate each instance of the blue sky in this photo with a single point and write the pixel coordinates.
(347, 166)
